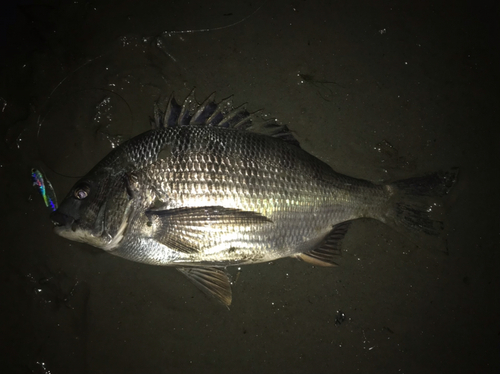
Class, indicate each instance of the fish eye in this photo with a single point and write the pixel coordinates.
(81, 192)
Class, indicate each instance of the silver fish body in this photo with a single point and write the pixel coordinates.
(207, 188)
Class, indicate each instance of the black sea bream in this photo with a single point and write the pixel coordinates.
(207, 188)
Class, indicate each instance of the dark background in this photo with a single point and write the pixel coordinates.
(380, 90)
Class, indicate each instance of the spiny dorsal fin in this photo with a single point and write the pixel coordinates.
(205, 110)
(221, 114)
(188, 109)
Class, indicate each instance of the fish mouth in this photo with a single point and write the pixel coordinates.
(67, 227)
(61, 220)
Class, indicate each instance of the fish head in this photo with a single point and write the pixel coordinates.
(95, 211)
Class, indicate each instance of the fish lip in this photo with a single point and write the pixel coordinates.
(60, 219)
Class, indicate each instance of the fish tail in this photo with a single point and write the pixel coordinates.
(415, 203)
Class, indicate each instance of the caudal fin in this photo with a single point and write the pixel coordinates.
(415, 203)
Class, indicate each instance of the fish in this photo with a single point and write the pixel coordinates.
(44, 188)
(212, 185)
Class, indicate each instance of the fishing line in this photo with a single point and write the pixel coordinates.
(160, 45)
(41, 119)
(170, 33)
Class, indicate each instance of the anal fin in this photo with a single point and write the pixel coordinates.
(329, 249)
(212, 281)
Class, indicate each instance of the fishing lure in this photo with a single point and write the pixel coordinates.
(45, 188)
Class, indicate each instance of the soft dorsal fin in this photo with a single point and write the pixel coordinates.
(221, 114)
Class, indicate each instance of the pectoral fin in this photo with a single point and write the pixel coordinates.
(213, 282)
(183, 229)
(329, 249)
